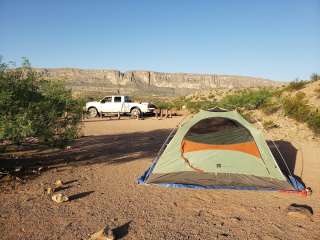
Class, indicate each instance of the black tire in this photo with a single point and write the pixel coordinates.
(135, 112)
(93, 112)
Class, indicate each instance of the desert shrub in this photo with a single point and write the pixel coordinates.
(163, 104)
(179, 102)
(248, 99)
(314, 77)
(269, 124)
(314, 121)
(211, 96)
(33, 107)
(196, 106)
(270, 107)
(317, 91)
(296, 85)
(297, 107)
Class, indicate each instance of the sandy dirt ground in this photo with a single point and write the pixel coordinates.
(100, 172)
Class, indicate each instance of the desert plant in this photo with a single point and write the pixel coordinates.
(314, 121)
(297, 107)
(248, 99)
(196, 106)
(249, 116)
(270, 107)
(269, 124)
(296, 85)
(317, 91)
(179, 102)
(33, 107)
(314, 77)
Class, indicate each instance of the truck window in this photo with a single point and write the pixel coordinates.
(106, 99)
(117, 99)
(127, 99)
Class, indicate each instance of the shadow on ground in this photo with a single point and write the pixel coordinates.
(289, 154)
(110, 149)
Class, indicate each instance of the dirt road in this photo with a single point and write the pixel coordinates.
(100, 172)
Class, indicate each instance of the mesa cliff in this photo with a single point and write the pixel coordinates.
(147, 82)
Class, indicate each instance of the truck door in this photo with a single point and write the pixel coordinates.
(106, 104)
(117, 104)
(127, 104)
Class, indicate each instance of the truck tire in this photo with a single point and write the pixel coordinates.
(92, 112)
(135, 112)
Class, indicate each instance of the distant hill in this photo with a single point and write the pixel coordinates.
(102, 81)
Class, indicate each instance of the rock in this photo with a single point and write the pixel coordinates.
(300, 211)
(49, 190)
(235, 219)
(104, 234)
(59, 198)
(58, 183)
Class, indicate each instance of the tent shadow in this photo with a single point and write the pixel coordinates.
(121, 231)
(289, 153)
(79, 195)
(102, 149)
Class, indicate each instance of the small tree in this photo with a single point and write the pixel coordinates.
(33, 107)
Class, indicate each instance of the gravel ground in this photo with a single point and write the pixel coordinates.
(100, 172)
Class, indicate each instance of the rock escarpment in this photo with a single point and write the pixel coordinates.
(148, 82)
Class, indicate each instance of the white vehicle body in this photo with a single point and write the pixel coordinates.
(118, 104)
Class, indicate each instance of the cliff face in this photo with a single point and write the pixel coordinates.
(148, 82)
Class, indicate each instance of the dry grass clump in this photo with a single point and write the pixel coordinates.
(270, 124)
(298, 108)
(317, 91)
(296, 85)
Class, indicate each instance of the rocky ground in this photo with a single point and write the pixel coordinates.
(100, 172)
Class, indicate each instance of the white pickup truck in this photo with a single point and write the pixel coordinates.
(118, 104)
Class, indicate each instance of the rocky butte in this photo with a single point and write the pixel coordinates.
(91, 82)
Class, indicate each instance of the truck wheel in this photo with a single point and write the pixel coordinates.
(92, 112)
(135, 112)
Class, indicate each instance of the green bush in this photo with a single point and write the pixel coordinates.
(196, 106)
(33, 107)
(270, 107)
(163, 104)
(179, 102)
(296, 85)
(314, 121)
(248, 99)
(297, 107)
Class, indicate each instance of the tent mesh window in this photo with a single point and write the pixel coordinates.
(219, 133)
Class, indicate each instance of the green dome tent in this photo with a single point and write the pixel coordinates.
(218, 149)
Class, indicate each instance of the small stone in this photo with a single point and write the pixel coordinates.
(59, 198)
(299, 211)
(49, 190)
(235, 219)
(58, 183)
(104, 234)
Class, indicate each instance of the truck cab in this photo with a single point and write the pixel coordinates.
(118, 104)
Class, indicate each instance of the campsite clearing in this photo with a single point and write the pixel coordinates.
(99, 174)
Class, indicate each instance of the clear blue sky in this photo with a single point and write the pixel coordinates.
(279, 40)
